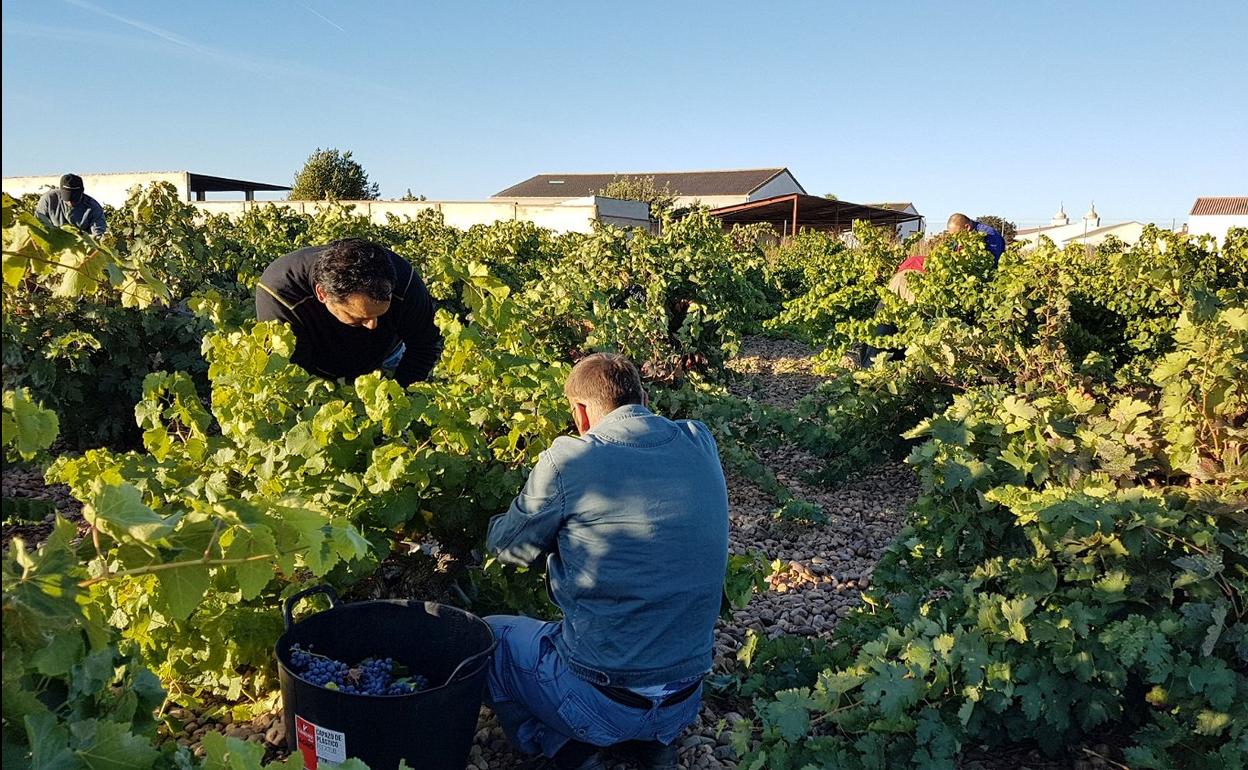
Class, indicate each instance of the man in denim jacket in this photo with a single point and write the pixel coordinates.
(632, 518)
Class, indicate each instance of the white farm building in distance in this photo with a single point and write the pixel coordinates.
(112, 189)
(916, 225)
(233, 197)
(710, 188)
(1088, 230)
(1214, 216)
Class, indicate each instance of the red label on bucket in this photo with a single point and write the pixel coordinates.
(321, 748)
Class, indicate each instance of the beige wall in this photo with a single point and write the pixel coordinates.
(575, 216)
(714, 201)
(111, 189)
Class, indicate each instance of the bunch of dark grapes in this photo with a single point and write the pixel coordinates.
(372, 676)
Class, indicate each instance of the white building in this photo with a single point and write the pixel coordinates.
(905, 207)
(566, 215)
(711, 188)
(113, 189)
(1088, 230)
(1214, 216)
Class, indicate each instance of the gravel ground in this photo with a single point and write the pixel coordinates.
(26, 483)
(777, 371)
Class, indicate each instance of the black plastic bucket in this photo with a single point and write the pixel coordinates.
(431, 729)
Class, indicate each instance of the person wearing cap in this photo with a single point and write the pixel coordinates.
(631, 521)
(69, 204)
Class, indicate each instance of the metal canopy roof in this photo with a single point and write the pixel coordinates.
(206, 183)
(809, 212)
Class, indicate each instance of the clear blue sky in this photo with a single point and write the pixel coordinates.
(1005, 107)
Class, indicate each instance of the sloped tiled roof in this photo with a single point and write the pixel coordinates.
(688, 183)
(899, 206)
(1220, 206)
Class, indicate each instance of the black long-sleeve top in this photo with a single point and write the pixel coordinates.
(328, 347)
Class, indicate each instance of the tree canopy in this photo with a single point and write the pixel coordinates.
(330, 174)
(1007, 228)
(641, 188)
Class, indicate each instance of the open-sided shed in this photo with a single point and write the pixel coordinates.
(792, 213)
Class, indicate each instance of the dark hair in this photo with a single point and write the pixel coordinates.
(354, 266)
(607, 380)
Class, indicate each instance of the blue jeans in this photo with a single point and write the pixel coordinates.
(392, 361)
(541, 705)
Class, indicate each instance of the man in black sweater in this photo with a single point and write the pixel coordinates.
(355, 307)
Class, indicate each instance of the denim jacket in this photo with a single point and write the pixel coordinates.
(634, 517)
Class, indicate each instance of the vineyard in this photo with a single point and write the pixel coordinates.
(1069, 576)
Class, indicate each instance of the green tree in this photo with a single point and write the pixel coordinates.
(641, 188)
(1007, 228)
(330, 174)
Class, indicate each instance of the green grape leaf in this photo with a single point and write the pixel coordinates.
(252, 576)
(49, 743)
(182, 589)
(893, 690)
(119, 512)
(1015, 611)
(790, 713)
(59, 655)
(26, 426)
(1212, 722)
(105, 745)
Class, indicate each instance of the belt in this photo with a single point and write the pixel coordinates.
(629, 698)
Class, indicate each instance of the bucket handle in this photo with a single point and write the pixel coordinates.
(288, 607)
(470, 659)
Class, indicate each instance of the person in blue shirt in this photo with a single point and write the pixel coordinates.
(631, 520)
(961, 223)
(69, 204)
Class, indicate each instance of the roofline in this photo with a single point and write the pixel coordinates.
(1192, 212)
(260, 186)
(765, 182)
(734, 208)
(793, 197)
(103, 173)
(777, 169)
